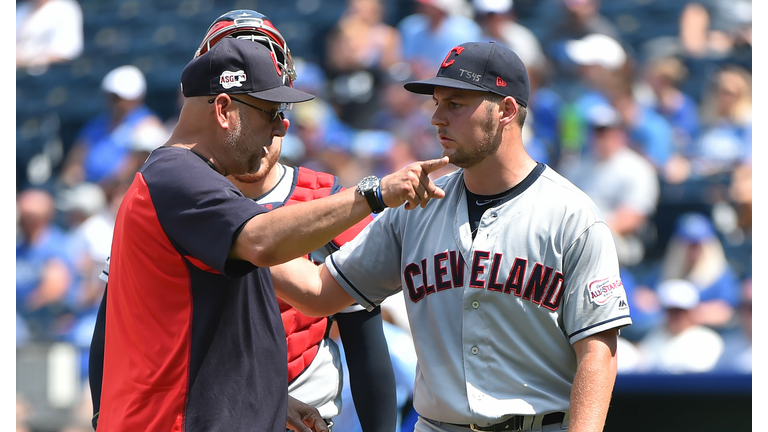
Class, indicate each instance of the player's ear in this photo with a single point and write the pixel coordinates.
(509, 110)
(286, 123)
(222, 108)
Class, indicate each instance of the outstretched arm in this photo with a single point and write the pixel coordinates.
(371, 375)
(593, 384)
(309, 288)
(288, 232)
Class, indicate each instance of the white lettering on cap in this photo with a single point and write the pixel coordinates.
(474, 76)
(229, 79)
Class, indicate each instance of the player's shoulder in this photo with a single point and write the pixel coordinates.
(171, 170)
(561, 191)
(557, 184)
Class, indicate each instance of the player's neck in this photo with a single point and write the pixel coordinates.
(272, 179)
(506, 174)
(257, 189)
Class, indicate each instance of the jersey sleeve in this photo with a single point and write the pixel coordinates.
(595, 299)
(201, 212)
(368, 266)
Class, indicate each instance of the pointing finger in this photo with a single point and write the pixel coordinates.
(433, 165)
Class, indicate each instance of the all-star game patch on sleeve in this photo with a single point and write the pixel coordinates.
(595, 300)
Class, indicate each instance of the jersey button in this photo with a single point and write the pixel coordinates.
(475, 350)
(475, 304)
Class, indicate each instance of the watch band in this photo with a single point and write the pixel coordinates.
(373, 200)
(369, 188)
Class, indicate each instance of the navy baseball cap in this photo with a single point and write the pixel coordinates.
(237, 66)
(481, 66)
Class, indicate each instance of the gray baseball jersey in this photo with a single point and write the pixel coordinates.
(493, 319)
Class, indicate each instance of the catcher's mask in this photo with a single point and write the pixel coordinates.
(252, 25)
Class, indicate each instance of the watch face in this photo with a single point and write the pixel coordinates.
(368, 183)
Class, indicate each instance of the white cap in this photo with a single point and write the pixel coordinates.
(492, 6)
(148, 137)
(87, 198)
(678, 294)
(596, 50)
(604, 116)
(126, 81)
(448, 6)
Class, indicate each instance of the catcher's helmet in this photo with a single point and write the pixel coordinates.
(248, 24)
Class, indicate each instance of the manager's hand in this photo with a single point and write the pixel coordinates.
(412, 185)
(304, 418)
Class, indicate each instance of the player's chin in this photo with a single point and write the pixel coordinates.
(451, 153)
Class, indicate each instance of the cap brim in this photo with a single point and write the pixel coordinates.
(282, 94)
(427, 86)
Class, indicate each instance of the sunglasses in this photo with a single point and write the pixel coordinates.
(273, 114)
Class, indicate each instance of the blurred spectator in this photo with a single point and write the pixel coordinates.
(47, 31)
(601, 64)
(694, 253)
(406, 115)
(144, 138)
(22, 331)
(102, 147)
(89, 238)
(628, 356)
(714, 28)
(740, 194)
(359, 50)
(318, 138)
(22, 414)
(435, 28)
(90, 247)
(680, 345)
(43, 271)
(623, 184)
(93, 220)
(726, 140)
(664, 76)
(545, 110)
(497, 22)
(577, 19)
(650, 134)
(737, 355)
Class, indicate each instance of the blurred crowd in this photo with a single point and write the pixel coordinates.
(616, 121)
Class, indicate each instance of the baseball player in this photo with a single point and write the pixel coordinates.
(193, 336)
(511, 281)
(314, 363)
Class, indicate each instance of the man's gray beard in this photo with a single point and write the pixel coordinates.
(236, 141)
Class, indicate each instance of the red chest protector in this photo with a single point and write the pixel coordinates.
(303, 333)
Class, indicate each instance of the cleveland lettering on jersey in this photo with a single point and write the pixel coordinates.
(544, 285)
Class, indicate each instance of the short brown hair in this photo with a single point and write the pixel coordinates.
(522, 112)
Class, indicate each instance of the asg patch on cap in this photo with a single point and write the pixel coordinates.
(238, 66)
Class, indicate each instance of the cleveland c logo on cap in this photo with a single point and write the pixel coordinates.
(447, 63)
